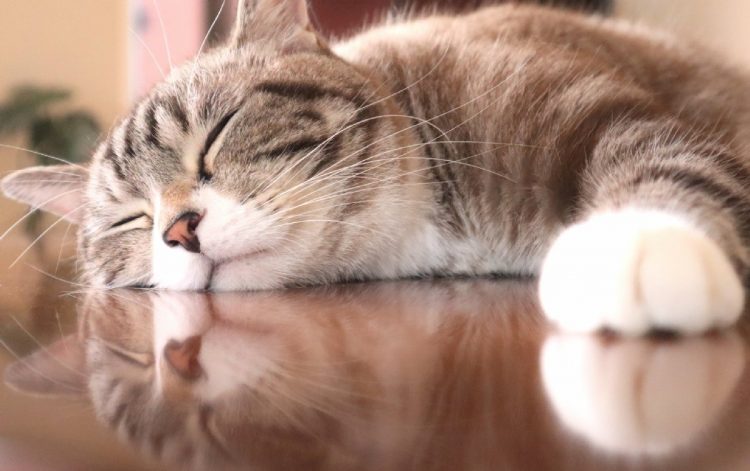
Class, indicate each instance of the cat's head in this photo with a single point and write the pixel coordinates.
(262, 163)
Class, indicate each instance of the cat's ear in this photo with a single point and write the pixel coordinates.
(282, 24)
(55, 370)
(58, 189)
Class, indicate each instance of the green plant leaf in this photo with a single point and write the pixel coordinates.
(71, 136)
(25, 104)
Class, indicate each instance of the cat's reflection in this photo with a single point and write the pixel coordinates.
(641, 396)
(353, 377)
(385, 376)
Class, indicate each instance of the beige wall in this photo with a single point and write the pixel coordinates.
(723, 25)
(79, 44)
(76, 44)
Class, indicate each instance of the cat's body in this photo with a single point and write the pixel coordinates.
(532, 97)
(441, 146)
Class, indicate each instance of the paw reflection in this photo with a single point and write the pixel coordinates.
(640, 396)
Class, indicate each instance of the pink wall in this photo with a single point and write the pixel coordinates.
(184, 25)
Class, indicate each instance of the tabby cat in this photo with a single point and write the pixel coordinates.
(610, 161)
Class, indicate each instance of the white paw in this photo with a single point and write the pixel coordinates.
(636, 396)
(635, 270)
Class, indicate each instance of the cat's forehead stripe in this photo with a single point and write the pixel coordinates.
(127, 137)
(152, 126)
(177, 111)
(307, 91)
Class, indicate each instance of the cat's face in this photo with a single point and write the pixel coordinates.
(244, 169)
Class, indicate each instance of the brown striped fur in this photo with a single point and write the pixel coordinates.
(446, 145)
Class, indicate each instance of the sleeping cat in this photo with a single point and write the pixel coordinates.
(610, 161)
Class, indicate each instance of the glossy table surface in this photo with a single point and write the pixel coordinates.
(410, 375)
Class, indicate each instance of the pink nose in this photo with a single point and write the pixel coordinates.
(183, 357)
(182, 232)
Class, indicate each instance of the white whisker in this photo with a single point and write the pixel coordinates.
(164, 34)
(60, 219)
(41, 154)
(149, 52)
(210, 29)
(32, 211)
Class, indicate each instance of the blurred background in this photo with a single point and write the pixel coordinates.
(70, 68)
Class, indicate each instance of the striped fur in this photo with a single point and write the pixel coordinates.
(447, 145)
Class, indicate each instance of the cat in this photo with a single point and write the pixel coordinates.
(610, 161)
(390, 376)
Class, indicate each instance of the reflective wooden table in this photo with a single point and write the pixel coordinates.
(410, 375)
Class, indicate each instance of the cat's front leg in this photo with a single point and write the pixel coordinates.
(659, 237)
(632, 270)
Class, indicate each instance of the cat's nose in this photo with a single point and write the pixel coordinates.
(182, 232)
(183, 357)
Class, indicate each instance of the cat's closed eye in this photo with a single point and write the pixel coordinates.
(203, 173)
(128, 219)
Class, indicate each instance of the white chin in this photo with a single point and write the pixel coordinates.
(177, 269)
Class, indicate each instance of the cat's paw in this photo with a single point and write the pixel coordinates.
(635, 270)
(639, 397)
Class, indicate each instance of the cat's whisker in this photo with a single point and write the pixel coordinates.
(43, 347)
(45, 232)
(51, 181)
(398, 176)
(386, 98)
(62, 246)
(59, 326)
(87, 289)
(304, 218)
(302, 371)
(325, 142)
(345, 223)
(272, 399)
(406, 202)
(452, 110)
(337, 170)
(411, 85)
(420, 121)
(41, 154)
(345, 192)
(208, 33)
(305, 402)
(27, 364)
(163, 34)
(148, 51)
(323, 400)
(57, 277)
(75, 178)
(33, 210)
(382, 184)
(322, 145)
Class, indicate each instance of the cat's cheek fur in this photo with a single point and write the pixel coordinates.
(634, 270)
(253, 273)
(229, 229)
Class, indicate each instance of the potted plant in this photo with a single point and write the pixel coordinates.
(68, 135)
